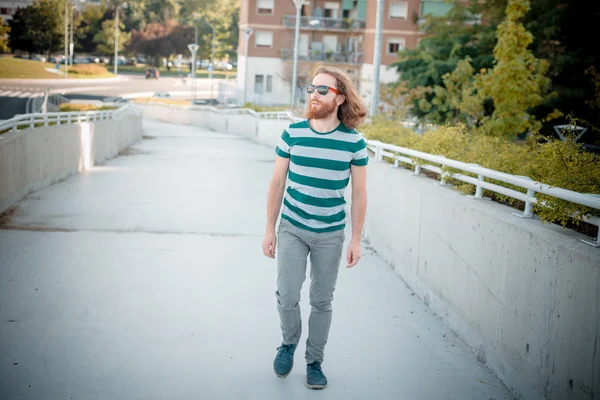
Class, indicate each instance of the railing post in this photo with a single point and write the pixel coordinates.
(32, 124)
(528, 213)
(396, 162)
(69, 118)
(45, 119)
(417, 169)
(479, 189)
(378, 150)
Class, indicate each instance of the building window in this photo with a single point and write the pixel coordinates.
(5, 11)
(304, 11)
(269, 88)
(399, 9)
(265, 7)
(263, 38)
(395, 45)
(259, 84)
(331, 9)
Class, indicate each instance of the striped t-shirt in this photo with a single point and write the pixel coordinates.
(318, 174)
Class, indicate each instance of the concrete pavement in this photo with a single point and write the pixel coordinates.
(144, 279)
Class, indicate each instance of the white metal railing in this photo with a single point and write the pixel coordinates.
(403, 154)
(27, 121)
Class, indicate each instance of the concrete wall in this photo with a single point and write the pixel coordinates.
(265, 131)
(34, 158)
(524, 296)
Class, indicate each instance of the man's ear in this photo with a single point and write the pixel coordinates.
(341, 99)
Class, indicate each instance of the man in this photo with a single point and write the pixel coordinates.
(318, 155)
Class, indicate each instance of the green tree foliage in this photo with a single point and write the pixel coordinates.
(4, 31)
(105, 38)
(87, 25)
(560, 31)
(516, 84)
(38, 28)
(448, 40)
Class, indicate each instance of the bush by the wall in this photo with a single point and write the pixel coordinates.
(68, 107)
(557, 163)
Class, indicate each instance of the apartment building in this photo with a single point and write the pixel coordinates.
(9, 7)
(340, 33)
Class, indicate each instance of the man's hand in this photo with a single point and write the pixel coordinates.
(269, 244)
(353, 254)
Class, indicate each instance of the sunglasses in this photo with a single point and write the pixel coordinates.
(321, 89)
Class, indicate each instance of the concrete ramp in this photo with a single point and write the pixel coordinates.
(143, 278)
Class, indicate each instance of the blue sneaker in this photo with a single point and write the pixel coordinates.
(315, 379)
(284, 360)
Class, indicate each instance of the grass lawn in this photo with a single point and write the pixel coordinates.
(201, 73)
(15, 68)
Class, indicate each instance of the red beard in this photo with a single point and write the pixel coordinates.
(322, 111)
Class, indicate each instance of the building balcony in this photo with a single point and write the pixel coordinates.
(334, 57)
(323, 23)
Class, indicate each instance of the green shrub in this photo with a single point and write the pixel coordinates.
(88, 69)
(563, 164)
(68, 107)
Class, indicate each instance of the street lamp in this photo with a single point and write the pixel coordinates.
(193, 49)
(66, 38)
(377, 56)
(299, 4)
(247, 33)
(117, 34)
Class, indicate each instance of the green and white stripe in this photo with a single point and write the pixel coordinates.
(319, 172)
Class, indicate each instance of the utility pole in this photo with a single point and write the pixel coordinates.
(247, 33)
(299, 4)
(66, 39)
(71, 43)
(116, 38)
(377, 57)
(212, 69)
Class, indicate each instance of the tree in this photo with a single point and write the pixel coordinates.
(4, 31)
(87, 25)
(448, 40)
(105, 38)
(517, 84)
(162, 40)
(38, 28)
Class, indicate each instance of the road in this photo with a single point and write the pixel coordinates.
(126, 86)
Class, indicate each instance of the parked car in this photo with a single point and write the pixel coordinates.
(152, 73)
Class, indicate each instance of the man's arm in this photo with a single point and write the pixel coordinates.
(358, 211)
(274, 198)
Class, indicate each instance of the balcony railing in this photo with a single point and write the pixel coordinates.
(341, 57)
(323, 23)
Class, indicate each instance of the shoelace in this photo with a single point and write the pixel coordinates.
(286, 348)
(315, 368)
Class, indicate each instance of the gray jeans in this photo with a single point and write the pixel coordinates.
(325, 249)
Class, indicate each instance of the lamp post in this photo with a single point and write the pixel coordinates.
(116, 39)
(247, 33)
(193, 49)
(298, 4)
(71, 44)
(66, 39)
(377, 57)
